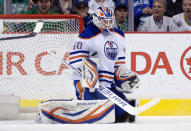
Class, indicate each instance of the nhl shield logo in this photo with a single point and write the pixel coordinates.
(111, 50)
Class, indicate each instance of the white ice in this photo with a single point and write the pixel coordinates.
(143, 123)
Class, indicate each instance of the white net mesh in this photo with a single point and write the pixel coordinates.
(26, 69)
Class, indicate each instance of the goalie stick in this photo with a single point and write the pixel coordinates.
(112, 96)
(36, 31)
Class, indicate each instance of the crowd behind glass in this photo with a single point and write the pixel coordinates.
(149, 15)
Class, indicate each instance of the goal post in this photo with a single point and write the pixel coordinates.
(26, 68)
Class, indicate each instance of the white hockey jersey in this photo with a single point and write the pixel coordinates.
(147, 24)
(108, 47)
(180, 23)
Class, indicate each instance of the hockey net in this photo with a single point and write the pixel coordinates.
(26, 68)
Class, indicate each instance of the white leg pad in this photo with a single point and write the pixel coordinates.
(77, 111)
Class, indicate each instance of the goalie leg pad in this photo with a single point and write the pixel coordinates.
(77, 111)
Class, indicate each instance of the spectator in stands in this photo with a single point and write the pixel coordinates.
(32, 4)
(43, 7)
(142, 8)
(94, 4)
(81, 8)
(182, 21)
(62, 6)
(19, 6)
(156, 22)
(121, 12)
(173, 7)
(1, 7)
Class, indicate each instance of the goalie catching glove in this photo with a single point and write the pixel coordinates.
(125, 80)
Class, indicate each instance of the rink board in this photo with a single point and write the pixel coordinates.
(166, 107)
(163, 62)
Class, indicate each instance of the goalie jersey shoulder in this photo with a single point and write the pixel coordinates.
(119, 32)
(89, 32)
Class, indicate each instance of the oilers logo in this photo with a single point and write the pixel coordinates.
(111, 50)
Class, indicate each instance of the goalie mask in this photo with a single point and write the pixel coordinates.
(125, 80)
(104, 18)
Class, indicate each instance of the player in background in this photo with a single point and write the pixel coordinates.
(100, 40)
(182, 21)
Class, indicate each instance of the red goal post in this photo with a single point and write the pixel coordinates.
(26, 68)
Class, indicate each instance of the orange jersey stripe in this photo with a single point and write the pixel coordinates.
(79, 56)
(109, 77)
(122, 62)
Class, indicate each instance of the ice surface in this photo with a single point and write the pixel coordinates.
(143, 123)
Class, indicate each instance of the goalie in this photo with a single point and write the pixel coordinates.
(100, 40)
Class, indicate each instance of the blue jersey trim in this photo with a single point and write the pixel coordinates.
(119, 32)
(116, 66)
(106, 81)
(121, 58)
(72, 62)
(90, 31)
(76, 52)
(106, 72)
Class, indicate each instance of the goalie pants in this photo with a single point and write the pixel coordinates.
(84, 94)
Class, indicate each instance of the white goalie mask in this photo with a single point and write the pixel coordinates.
(125, 80)
(104, 18)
